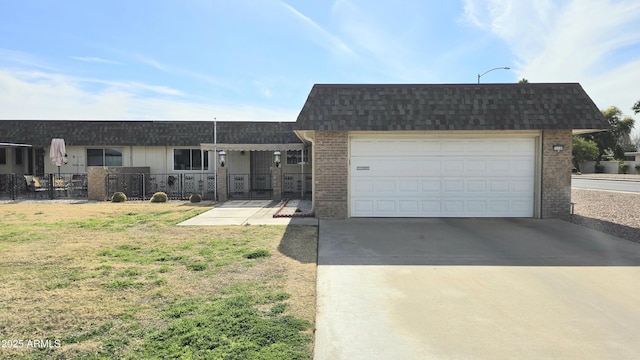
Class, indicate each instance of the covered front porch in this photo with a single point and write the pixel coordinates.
(262, 171)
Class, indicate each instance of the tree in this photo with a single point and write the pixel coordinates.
(636, 142)
(583, 150)
(617, 139)
(636, 107)
(523, 81)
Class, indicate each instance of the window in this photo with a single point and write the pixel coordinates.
(295, 156)
(3, 156)
(18, 156)
(189, 159)
(104, 157)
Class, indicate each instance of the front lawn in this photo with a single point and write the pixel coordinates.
(107, 280)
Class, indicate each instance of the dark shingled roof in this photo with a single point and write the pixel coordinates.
(144, 133)
(449, 107)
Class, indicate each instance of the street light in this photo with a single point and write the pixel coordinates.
(498, 68)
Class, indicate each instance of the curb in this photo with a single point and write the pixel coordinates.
(604, 178)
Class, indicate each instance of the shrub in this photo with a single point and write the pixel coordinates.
(195, 198)
(624, 167)
(159, 197)
(118, 197)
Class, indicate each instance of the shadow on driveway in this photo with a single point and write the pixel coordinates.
(479, 241)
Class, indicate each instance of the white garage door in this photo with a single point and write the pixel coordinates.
(442, 177)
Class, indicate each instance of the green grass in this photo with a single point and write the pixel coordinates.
(227, 328)
(122, 281)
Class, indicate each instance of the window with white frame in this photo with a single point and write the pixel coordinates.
(295, 157)
(104, 157)
(190, 159)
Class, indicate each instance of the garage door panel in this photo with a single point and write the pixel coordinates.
(386, 186)
(477, 147)
(431, 186)
(457, 207)
(476, 207)
(476, 166)
(453, 166)
(453, 207)
(386, 206)
(476, 186)
(361, 187)
(443, 177)
(408, 186)
(408, 207)
(362, 207)
(431, 207)
(453, 186)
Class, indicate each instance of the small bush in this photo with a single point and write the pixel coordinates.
(623, 167)
(119, 197)
(195, 198)
(159, 197)
(257, 254)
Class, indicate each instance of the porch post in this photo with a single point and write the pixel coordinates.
(276, 183)
(221, 183)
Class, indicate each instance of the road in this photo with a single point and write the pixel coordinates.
(615, 185)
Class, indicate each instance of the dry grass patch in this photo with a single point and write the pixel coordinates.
(102, 277)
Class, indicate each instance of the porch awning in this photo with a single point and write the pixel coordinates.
(7, 144)
(253, 147)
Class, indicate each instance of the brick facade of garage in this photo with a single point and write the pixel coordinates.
(332, 165)
(331, 162)
(556, 174)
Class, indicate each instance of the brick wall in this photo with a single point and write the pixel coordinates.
(556, 174)
(96, 179)
(276, 183)
(331, 163)
(223, 190)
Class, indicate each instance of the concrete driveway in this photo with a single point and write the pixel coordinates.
(475, 289)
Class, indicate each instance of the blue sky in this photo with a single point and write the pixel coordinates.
(257, 59)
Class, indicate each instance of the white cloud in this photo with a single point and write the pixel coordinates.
(149, 61)
(595, 43)
(23, 59)
(319, 34)
(92, 59)
(385, 47)
(40, 95)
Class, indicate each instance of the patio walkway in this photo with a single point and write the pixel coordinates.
(251, 212)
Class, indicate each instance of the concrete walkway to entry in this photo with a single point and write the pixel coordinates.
(475, 289)
(246, 212)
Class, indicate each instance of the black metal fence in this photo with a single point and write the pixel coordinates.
(48, 186)
(138, 186)
(250, 186)
(297, 185)
(177, 186)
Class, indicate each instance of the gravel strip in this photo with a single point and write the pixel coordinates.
(613, 213)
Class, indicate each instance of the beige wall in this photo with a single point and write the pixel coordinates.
(159, 159)
(10, 166)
